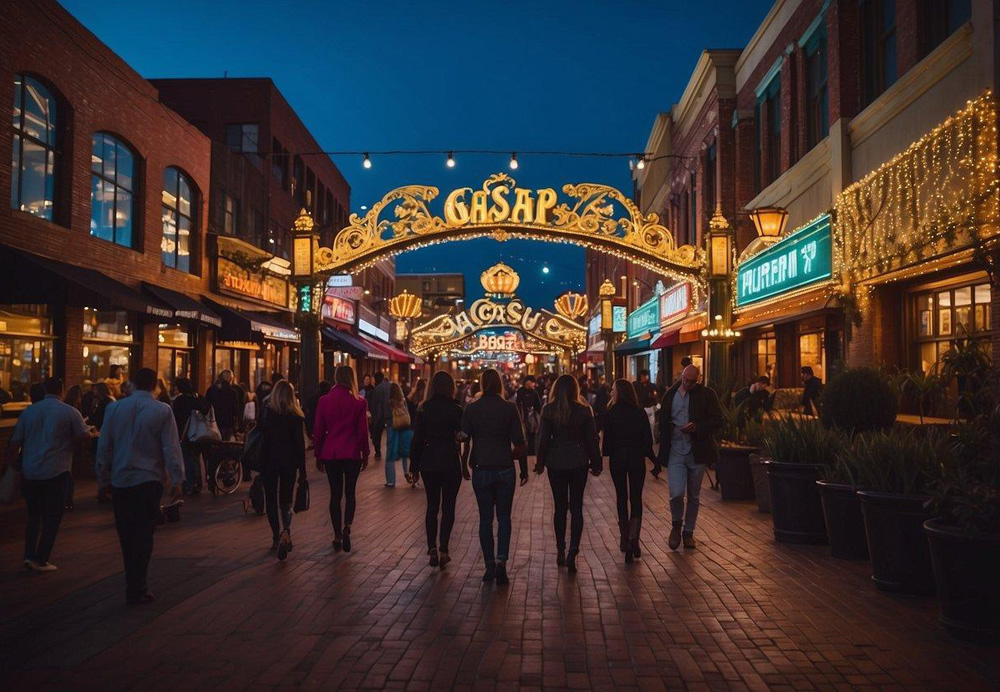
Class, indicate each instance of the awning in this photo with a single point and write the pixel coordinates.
(184, 306)
(634, 345)
(666, 339)
(787, 310)
(389, 352)
(28, 278)
(348, 343)
(246, 325)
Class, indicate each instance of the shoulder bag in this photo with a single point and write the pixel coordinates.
(400, 417)
(201, 428)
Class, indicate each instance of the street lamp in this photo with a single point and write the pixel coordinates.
(719, 337)
(769, 221)
(607, 293)
(304, 242)
(405, 307)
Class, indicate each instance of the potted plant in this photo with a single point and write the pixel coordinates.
(964, 535)
(740, 437)
(895, 469)
(799, 448)
(859, 399)
(845, 524)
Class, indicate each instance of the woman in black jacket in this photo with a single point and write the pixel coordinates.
(568, 446)
(628, 442)
(283, 456)
(434, 454)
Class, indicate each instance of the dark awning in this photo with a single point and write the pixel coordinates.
(348, 343)
(28, 278)
(184, 306)
(634, 345)
(246, 325)
(394, 354)
(666, 339)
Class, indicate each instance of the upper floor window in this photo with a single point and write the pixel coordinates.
(279, 164)
(769, 132)
(878, 47)
(35, 151)
(230, 214)
(817, 102)
(710, 166)
(112, 190)
(178, 220)
(941, 19)
(243, 138)
(693, 209)
(298, 182)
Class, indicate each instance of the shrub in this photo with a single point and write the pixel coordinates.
(900, 461)
(799, 440)
(858, 400)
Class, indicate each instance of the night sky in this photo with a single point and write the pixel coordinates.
(382, 74)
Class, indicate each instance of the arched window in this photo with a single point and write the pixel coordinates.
(112, 202)
(36, 150)
(178, 219)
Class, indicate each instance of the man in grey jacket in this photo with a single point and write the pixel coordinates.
(138, 452)
(378, 406)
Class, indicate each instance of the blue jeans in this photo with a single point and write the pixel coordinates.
(494, 490)
(397, 447)
(684, 475)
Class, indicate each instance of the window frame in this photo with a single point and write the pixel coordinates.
(53, 152)
(134, 191)
(875, 42)
(817, 94)
(191, 217)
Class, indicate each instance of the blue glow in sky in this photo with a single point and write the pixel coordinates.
(579, 75)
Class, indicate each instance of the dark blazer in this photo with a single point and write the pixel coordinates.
(283, 442)
(627, 436)
(704, 412)
(569, 445)
(494, 425)
(435, 447)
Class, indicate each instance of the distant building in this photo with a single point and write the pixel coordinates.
(440, 294)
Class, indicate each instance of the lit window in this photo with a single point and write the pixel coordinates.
(178, 220)
(112, 201)
(35, 151)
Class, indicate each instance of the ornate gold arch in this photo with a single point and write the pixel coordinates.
(596, 216)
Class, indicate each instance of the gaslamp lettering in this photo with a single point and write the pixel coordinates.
(546, 203)
(524, 207)
(495, 206)
(501, 207)
(479, 209)
(456, 212)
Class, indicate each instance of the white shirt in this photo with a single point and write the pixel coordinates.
(139, 443)
(46, 430)
(679, 416)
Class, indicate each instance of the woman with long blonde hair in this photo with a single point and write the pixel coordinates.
(283, 456)
(342, 444)
(568, 447)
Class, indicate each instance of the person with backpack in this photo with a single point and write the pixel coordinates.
(282, 460)
(397, 447)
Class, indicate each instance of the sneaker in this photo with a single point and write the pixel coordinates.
(29, 564)
(571, 561)
(284, 544)
(144, 597)
(490, 574)
(390, 485)
(347, 539)
(445, 558)
(689, 542)
(43, 567)
(675, 537)
(435, 560)
(501, 573)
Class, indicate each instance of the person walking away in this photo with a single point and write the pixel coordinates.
(691, 417)
(367, 387)
(74, 398)
(435, 456)
(568, 447)
(41, 448)
(628, 442)
(529, 405)
(813, 390)
(223, 399)
(400, 434)
(185, 403)
(492, 427)
(602, 398)
(283, 458)
(342, 448)
(378, 405)
(139, 451)
(646, 391)
(415, 397)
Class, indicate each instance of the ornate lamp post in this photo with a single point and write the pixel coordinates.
(720, 336)
(304, 242)
(405, 308)
(607, 293)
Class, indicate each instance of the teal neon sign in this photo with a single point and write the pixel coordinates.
(645, 318)
(800, 259)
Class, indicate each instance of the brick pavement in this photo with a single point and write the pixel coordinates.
(741, 612)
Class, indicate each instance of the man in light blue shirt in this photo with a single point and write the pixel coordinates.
(44, 436)
(139, 450)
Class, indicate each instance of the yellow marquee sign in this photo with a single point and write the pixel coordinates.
(592, 215)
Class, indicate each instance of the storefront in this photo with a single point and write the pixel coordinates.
(181, 342)
(643, 329)
(681, 323)
(26, 352)
(593, 357)
(786, 308)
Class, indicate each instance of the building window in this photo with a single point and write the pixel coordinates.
(878, 47)
(767, 357)
(693, 209)
(174, 354)
(310, 192)
(710, 165)
(26, 351)
(279, 164)
(112, 192)
(817, 105)
(945, 315)
(256, 232)
(243, 138)
(769, 133)
(108, 339)
(941, 19)
(230, 214)
(178, 220)
(33, 160)
(297, 180)
(811, 353)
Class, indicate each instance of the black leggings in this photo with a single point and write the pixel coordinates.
(567, 491)
(442, 491)
(279, 486)
(629, 475)
(343, 476)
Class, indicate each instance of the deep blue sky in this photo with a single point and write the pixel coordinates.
(387, 74)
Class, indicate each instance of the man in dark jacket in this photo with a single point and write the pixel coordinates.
(529, 405)
(186, 402)
(690, 417)
(813, 390)
(223, 399)
(378, 406)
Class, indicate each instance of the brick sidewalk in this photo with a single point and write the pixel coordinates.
(741, 612)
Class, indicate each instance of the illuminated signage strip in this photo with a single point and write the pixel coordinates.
(645, 318)
(369, 328)
(675, 303)
(800, 259)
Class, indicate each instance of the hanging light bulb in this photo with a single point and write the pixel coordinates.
(366, 162)
(642, 162)
(451, 160)
(513, 161)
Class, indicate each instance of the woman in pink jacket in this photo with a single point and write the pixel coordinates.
(341, 441)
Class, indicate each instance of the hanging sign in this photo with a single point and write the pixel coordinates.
(346, 292)
(645, 318)
(338, 310)
(802, 258)
(675, 303)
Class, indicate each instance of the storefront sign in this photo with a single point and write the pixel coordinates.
(800, 259)
(338, 310)
(346, 292)
(340, 281)
(235, 280)
(594, 327)
(511, 341)
(369, 328)
(645, 318)
(619, 320)
(675, 303)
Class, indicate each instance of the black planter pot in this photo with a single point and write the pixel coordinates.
(761, 488)
(796, 508)
(967, 573)
(897, 546)
(733, 472)
(845, 523)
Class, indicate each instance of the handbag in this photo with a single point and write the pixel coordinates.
(201, 428)
(302, 496)
(10, 485)
(400, 417)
